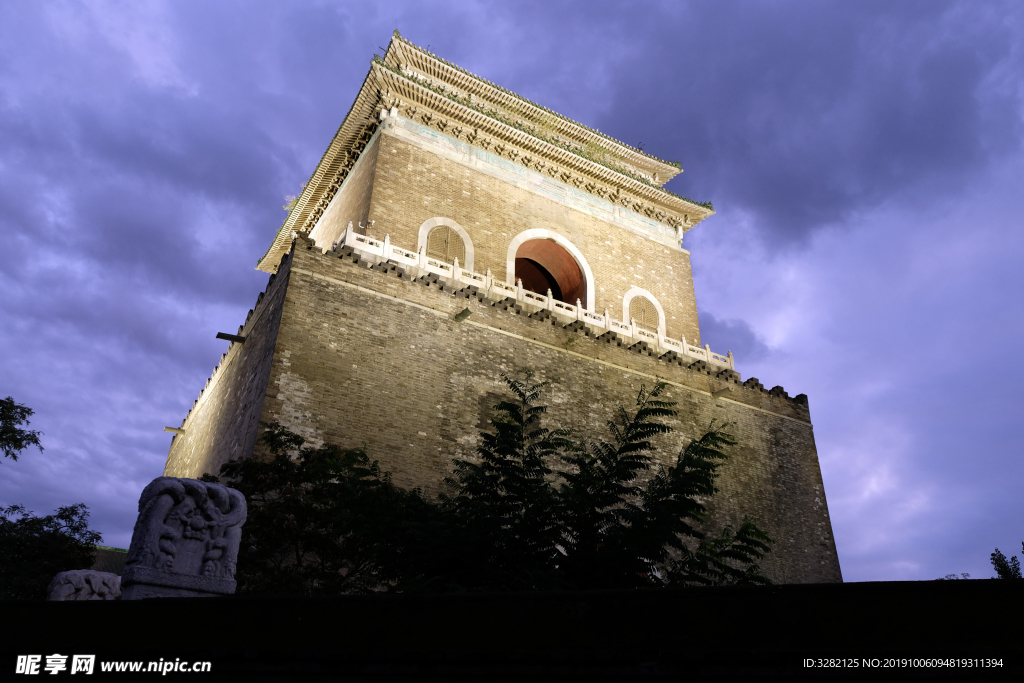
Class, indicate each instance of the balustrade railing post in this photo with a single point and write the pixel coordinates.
(387, 247)
(456, 270)
(423, 257)
(519, 289)
(732, 362)
(632, 327)
(551, 301)
(579, 310)
(707, 352)
(606, 319)
(487, 280)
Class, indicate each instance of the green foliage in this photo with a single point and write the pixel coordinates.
(13, 439)
(504, 502)
(321, 521)
(729, 558)
(620, 533)
(954, 577)
(327, 520)
(35, 549)
(1005, 568)
(607, 530)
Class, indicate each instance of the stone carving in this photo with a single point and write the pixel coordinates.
(84, 584)
(185, 541)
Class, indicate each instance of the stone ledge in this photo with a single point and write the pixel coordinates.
(158, 577)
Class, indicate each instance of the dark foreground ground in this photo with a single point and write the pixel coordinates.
(870, 631)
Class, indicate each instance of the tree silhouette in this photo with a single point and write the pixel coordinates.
(1005, 568)
(13, 439)
(35, 549)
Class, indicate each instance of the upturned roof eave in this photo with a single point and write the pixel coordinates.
(468, 116)
(665, 170)
(349, 128)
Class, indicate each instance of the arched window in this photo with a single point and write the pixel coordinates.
(642, 310)
(444, 244)
(642, 306)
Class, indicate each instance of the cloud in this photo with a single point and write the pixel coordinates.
(807, 114)
(864, 160)
(732, 335)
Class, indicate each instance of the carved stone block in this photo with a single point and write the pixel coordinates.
(84, 584)
(185, 542)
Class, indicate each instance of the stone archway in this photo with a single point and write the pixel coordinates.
(544, 259)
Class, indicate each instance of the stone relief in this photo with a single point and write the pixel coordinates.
(185, 541)
(84, 584)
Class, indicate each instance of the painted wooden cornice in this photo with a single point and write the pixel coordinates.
(417, 85)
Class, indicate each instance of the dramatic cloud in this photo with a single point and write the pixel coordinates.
(864, 159)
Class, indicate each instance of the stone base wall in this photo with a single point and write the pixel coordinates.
(342, 352)
(366, 357)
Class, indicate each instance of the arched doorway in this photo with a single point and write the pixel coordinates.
(543, 264)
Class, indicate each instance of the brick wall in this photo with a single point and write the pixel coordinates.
(352, 203)
(413, 182)
(223, 423)
(369, 359)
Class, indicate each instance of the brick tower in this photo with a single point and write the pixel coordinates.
(453, 231)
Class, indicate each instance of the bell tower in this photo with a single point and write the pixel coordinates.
(453, 231)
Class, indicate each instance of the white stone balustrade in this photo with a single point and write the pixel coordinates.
(620, 328)
(378, 250)
(670, 344)
(410, 258)
(641, 333)
(506, 290)
(533, 298)
(563, 308)
(593, 319)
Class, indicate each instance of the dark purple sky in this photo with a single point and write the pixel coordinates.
(865, 160)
